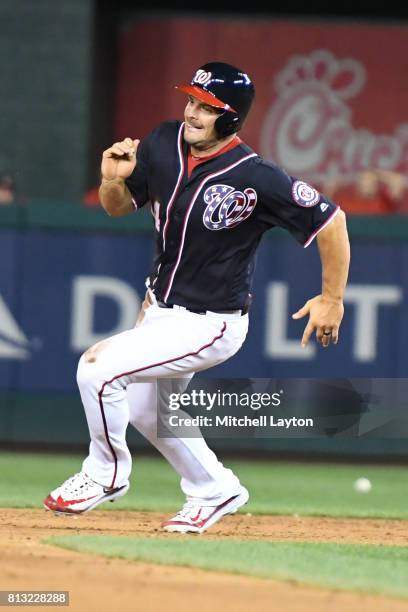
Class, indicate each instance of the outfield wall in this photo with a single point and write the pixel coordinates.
(70, 276)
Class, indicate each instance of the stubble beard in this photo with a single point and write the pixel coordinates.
(201, 146)
(204, 145)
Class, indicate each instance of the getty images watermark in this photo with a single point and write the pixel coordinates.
(227, 408)
(218, 400)
(295, 407)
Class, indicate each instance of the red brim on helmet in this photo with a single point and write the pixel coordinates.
(204, 96)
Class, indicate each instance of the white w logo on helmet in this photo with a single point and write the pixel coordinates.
(202, 77)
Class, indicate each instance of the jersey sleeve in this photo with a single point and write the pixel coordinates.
(292, 203)
(137, 182)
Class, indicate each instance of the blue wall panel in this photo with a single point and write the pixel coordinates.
(40, 272)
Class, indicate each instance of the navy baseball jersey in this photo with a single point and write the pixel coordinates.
(209, 224)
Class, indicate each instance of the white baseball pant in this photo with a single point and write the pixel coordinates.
(168, 343)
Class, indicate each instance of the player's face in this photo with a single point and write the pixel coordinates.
(199, 128)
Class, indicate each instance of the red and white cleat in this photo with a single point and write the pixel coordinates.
(197, 518)
(79, 494)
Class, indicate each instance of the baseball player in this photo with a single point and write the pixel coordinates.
(212, 198)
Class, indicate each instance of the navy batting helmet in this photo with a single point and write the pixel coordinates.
(225, 87)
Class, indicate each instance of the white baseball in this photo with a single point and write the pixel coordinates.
(362, 485)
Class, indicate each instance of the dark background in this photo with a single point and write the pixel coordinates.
(110, 18)
(58, 79)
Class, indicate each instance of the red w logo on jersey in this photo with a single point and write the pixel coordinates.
(227, 207)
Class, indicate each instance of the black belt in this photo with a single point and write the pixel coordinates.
(244, 310)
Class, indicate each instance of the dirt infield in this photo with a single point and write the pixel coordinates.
(97, 583)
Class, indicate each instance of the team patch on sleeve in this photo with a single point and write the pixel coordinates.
(304, 194)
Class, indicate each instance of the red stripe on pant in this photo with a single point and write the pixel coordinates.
(108, 382)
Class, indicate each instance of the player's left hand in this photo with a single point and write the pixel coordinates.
(325, 315)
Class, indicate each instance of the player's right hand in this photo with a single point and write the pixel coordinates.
(119, 160)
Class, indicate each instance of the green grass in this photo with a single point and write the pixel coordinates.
(25, 479)
(275, 488)
(367, 568)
